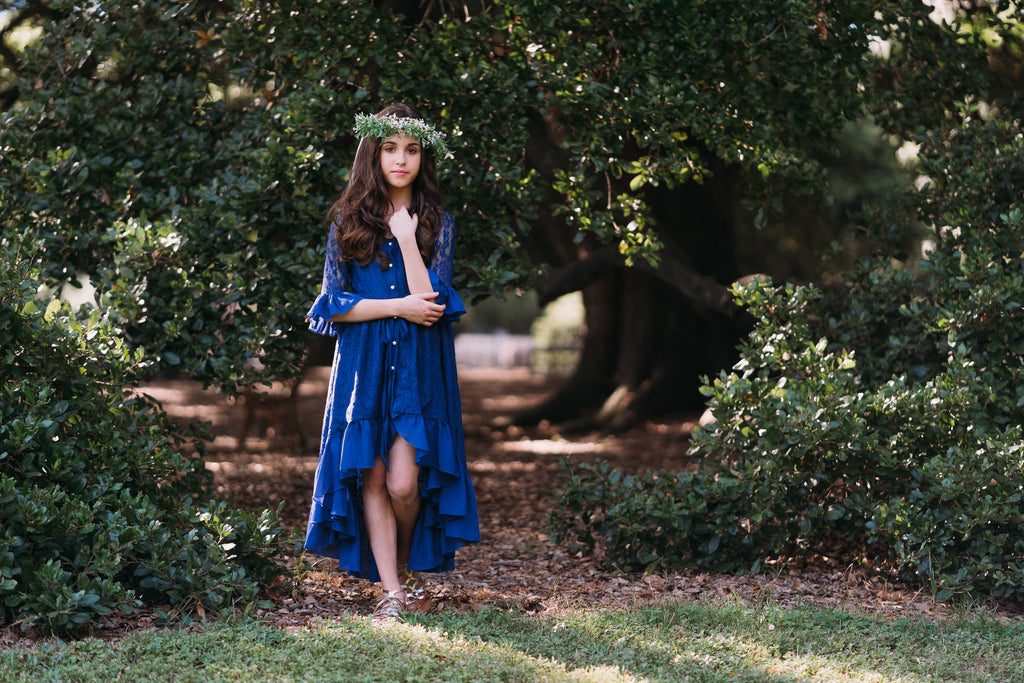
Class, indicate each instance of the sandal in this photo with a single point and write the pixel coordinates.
(417, 599)
(389, 609)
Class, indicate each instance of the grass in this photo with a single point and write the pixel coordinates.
(676, 642)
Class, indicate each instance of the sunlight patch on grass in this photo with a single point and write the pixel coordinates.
(668, 642)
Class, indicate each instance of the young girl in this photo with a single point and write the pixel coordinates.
(392, 495)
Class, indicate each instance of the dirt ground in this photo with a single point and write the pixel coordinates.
(515, 566)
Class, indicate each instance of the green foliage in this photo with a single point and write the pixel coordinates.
(657, 521)
(560, 323)
(98, 508)
(884, 413)
(183, 156)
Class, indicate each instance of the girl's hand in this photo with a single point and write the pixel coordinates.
(402, 225)
(420, 308)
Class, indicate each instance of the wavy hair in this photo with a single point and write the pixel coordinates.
(359, 215)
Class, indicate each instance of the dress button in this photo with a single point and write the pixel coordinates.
(392, 286)
(394, 343)
(392, 367)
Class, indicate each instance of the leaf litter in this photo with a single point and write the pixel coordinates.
(515, 566)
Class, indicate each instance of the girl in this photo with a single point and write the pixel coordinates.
(392, 495)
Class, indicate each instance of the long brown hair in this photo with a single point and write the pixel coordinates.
(359, 215)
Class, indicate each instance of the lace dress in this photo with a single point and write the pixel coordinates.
(390, 377)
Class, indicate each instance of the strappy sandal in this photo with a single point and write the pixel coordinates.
(417, 599)
(389, 609)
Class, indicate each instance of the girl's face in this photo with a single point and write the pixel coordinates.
(400, 160)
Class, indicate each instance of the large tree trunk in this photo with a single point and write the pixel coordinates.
(651, 332)
(593, 377)
(645, 348)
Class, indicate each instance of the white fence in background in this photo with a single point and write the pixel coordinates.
(502, 350)
(473, 350)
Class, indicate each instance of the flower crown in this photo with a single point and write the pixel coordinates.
(383, 127)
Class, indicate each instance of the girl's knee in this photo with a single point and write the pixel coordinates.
(376, 478)
(404, 489)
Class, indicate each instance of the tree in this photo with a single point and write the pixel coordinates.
(194, 147)
(877, 419)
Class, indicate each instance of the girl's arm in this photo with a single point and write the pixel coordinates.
(417, 308)
(334, 299)
(337, 305)
(443, 260)
(403, 227)
(440, 270)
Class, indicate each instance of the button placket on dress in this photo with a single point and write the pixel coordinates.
(393, 330)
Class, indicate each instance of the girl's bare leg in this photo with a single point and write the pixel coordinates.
(391, 504)
(404, 490)
(380, 525)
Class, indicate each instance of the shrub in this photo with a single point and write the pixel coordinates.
(654, 521)
(99, 510)
(884, 413)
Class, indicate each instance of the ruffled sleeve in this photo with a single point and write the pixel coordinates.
(334, 298)
(440, 270)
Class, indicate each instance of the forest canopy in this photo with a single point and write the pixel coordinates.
(182, 156)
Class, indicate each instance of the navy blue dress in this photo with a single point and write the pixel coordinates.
(390, 377)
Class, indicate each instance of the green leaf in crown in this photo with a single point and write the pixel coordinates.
(390, 125)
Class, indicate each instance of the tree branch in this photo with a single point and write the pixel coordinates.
(577, 275)
(705, 293)
(7, 54)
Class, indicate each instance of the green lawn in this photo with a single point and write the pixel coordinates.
(683, 642)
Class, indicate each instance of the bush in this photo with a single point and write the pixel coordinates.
(657, 521)
(99, 510)
(884, 413)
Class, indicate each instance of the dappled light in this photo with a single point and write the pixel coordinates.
(515, 471)
(550, 446)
